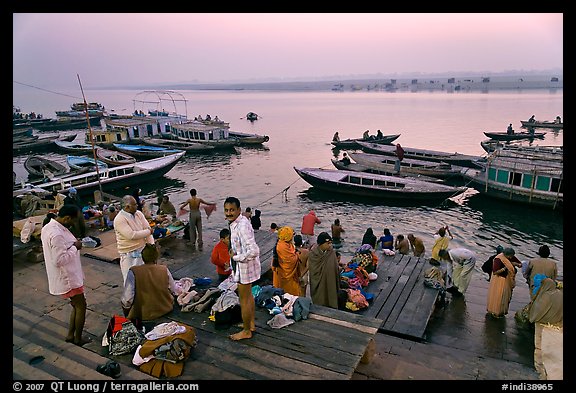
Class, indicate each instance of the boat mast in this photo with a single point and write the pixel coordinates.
(91, 137)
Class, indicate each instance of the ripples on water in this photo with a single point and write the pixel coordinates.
(301, 125)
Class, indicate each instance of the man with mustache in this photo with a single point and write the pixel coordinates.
(245, 262)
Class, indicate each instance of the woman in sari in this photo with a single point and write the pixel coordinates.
(287, 274)
(502, 282)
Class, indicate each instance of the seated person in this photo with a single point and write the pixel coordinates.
(345, 159)
(149, 289)
(167, 207)
(402, 245)
(221, 256)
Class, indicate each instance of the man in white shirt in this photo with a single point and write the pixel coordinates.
(132, 233)
(64, 269)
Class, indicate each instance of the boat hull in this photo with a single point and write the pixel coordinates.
(542, 124)
(417, 190)
(503, 136)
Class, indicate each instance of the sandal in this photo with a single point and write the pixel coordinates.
(110, 369)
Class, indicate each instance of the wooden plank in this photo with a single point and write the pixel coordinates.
(388, 270)
(406, 318)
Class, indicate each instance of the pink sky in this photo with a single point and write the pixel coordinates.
(127, 49)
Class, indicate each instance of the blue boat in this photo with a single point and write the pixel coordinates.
(145, 151)
(85, 162)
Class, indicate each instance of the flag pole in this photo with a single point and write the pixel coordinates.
(91, 137)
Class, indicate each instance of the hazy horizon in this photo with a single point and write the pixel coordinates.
(131, 49)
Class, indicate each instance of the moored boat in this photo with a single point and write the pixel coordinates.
(85, 163)
(73, 146)
(191, 147)
(145, 151)
(39, 166)
(422, 154)
(247, 139)
(371, 185)
(117, 176)
(535, 151)
(355, 167)
(531, 181)
(407, 165)
(213, 135)
(114, 157)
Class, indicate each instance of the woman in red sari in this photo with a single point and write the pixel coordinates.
(287, 274)
(502, 282)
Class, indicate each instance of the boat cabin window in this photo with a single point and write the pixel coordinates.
(515, 178)
(367, 182)
(557, 185)
(353, 179)
(149, 129)
(136, 132)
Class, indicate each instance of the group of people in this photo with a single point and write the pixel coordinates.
(303, 264)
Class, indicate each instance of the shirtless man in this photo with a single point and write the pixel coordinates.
(194, 203)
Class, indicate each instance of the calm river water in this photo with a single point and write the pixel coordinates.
(301, 125)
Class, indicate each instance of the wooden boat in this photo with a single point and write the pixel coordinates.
(545, 152)
(375, 186)
(145, 151)
(29, 145)
(196, 131)
(81, 162)
(251, 116)
(78, 110)
(246, 139)
(353, 166)
(530, 181)
(542, 124)
(73, 147)
(191, 147)
(422, 154)
(39, 166)
(504, 136)
(113, 157)
(22, 132)
(353, 143)
(67, 124)
(113, 177)
(407, 165)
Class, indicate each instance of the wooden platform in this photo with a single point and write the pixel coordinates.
(401, 300)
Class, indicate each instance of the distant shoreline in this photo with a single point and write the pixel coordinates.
(475, 83)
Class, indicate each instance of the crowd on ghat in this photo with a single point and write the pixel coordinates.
(306, 266)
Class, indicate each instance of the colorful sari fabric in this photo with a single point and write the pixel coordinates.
(287, 274)
(501, 286)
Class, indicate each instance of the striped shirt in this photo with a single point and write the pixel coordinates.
(247, 252)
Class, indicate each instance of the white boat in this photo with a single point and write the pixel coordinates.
(422, 154)
(111, 177)
(407, 165)
(372, 185)
(537, 182)
(213, 135)
(73, 146)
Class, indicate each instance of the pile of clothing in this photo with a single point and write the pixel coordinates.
(165, 349)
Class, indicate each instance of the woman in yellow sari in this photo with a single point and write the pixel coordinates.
(287, 274)
(502, 282)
